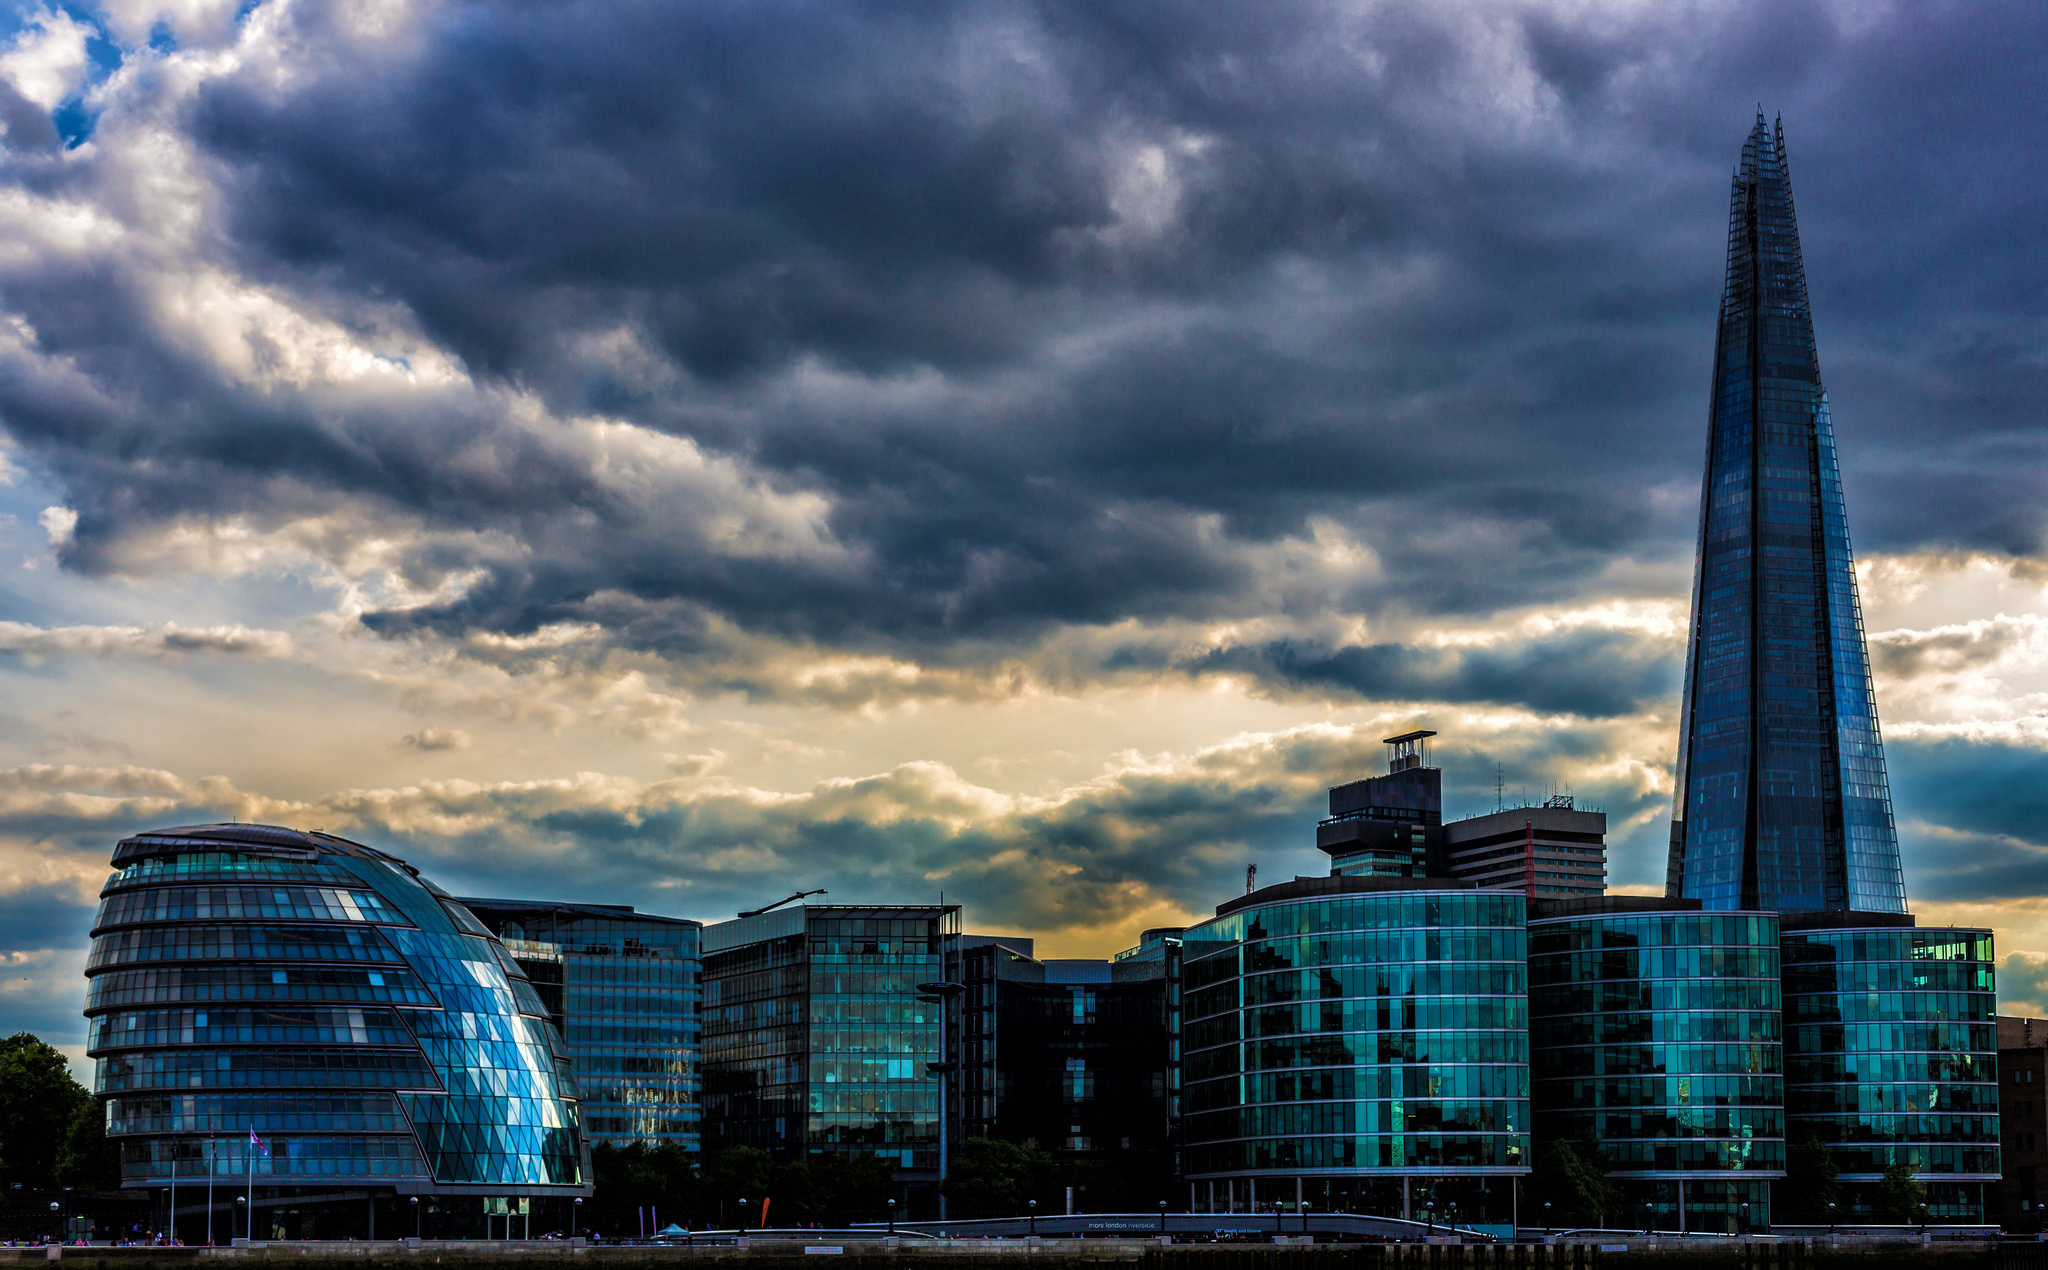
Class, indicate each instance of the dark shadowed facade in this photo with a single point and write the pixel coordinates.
(1782, 800)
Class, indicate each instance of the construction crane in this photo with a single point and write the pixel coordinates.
(756, 912)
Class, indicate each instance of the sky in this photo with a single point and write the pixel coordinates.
(677, 453)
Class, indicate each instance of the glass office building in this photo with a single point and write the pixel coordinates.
(1358, 1044)
(1891, 1051)
(818, 1040)
(1782, 799)
(322, 996)
(623, 988)
(1656, 1033)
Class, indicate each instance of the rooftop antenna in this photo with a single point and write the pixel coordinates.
(1500, 798)
(1251, 877)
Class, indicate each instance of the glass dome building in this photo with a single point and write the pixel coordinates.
(1655, 1033)
(308, 1017)
(1359, 1044)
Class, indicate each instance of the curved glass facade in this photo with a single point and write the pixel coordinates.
(1657, 1035)
(322, 996)
(1892, 1058)
(1365, 1048)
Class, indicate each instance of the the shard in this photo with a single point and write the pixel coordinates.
(1781, 800)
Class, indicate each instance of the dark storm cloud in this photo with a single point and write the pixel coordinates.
(1596, 673)
(1115, 295)
(1990, 800)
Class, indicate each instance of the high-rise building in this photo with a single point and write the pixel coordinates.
(1782, 801)
(1555, 851)
(822, 1037)
(1071, 1056)
(623, 988)
(1359, 1043)
(1388, 826)
(2022, 1195)
(312, 1015)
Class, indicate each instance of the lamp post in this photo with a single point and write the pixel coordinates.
(743, 1216)
(892, 1218)
(1162, 1216)
(250, 1229)
(941, 993)
(1429, 1211)
(1831, 1217)
(1649, 1207)
(575, 1215)
(1745, 1217)
(415, 1202)
(1923, 1219)
(1033, 1206)
(57, 1216)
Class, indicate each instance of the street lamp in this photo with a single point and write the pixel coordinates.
(251, 1227)
(1923, 1218)
(1034, 1218)
(1831, 1217)
(892, 1218)
(1162, 1216)
(56, 1215)
(1745, 1217)
(743, 1216)
(575, 1215)
(415, 1200)
(1430, 1209)
(1649, 1206)
(1546, 1216)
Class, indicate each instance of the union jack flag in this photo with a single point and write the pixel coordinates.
(257, 1142)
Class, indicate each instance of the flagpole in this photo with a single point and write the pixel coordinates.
(174, 1192)
(209, 1188)
(252, 1183)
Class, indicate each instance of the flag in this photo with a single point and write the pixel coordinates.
(257, 1142)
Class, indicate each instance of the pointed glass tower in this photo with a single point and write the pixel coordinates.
(1782, 801)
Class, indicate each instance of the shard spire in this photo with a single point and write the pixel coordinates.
(1782, 801)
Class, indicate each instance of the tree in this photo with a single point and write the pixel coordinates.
(39, 1101)
(1900, 1196)
(1573, 1181)
(991, 1178)
(734, 1174)
(1809, 1185)
(87, 1161)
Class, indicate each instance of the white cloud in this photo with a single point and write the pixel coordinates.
(46, 62)
(60, 523)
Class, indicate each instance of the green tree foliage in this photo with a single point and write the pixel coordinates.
(1809, 1185)
(734, 1174)
(52, 1131)
(1573, 1181)
(989, 1178)
(1900, 1195)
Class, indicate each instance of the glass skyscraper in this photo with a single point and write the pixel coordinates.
(249, 981)
(623, 988)
(1359, 1044)
(1782, 800)
(818, 1039)
(1655, 1032)
(1892, 1057)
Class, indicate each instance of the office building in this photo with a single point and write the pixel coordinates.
(1358, 1043)
(1553, 852)
(1654, 1031)
(819, 1040)
(1891, 1057)
(1782, 799)
(2022, 1124)
(321, 996)
(1388, 826)
(1071, 1056)
(623, 989)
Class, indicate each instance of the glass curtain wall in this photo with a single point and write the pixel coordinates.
(1891, 1052)
(1365, 1052)
(1655, 1040)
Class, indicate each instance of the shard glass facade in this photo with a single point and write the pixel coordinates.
(1782, 800)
